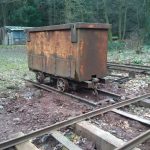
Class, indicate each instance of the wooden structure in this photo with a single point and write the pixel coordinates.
(12, 35)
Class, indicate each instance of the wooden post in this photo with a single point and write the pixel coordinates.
(132, 74)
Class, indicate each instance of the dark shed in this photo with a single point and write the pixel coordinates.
(12, 35)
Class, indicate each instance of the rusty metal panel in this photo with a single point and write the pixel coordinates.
(30, 60)
(37, 62)
(92, 53)
(62, 67)
(93, 26)
(50, 64)
(72, 66)
(56, 48)
(69, 26)
(50, 28)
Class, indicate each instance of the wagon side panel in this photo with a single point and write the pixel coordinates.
(52, 52)
(93, 53)
(35, 55)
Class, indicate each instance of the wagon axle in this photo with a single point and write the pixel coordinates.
(62, 85)
(40, 77)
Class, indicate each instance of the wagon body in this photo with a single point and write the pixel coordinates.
(73, 51)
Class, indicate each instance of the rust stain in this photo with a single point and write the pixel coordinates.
(82, 70)
(81, 47)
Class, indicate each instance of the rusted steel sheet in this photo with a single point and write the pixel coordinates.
(93, 53)
(69, 26)
(75, 51)
(51, 52)
(93, 25)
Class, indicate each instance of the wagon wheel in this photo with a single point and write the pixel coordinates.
(40, 77)
(62, 85)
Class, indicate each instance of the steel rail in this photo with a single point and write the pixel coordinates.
(46, 130)
(129, 65)
(125, 67)
(89, 102)
(121, 79)
(114, 95)
(51, 89)
(133, 65)
(136, 141)
(114, 75)
(132, 116)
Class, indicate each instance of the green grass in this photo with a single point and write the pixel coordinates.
(13, 66)
(130, 56)
(12, 46)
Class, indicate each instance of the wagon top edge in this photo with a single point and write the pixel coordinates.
(71, 25)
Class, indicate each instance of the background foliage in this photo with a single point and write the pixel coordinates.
(128, 17)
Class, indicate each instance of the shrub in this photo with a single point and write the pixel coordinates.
(116, 46)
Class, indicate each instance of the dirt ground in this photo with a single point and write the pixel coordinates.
(30, 113)
(30, 108)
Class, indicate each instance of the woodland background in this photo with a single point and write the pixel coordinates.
(128, 17)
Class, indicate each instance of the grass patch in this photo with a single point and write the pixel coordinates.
(130, 56)
(13, 66)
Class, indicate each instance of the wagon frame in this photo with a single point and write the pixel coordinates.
(74, 52)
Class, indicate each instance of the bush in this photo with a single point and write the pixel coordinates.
(116, 46)
(137, 61)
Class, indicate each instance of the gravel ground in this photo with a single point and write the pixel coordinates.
(138, 85)
(121, 127)
(139, 111)
(27, 111)
(135, 87)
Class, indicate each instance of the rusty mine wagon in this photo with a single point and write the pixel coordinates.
(73, 54)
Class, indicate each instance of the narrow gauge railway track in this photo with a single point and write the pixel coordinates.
(129, 67)
(56, 126)
(89, 102)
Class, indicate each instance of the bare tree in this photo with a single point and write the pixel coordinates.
(107, 18)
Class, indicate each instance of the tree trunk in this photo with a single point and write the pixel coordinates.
(138, 21)
(125, 23)
(3, 6)
(67, 11)
(54, 12)
(107, 20)
(147, 16)
(120, 21)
